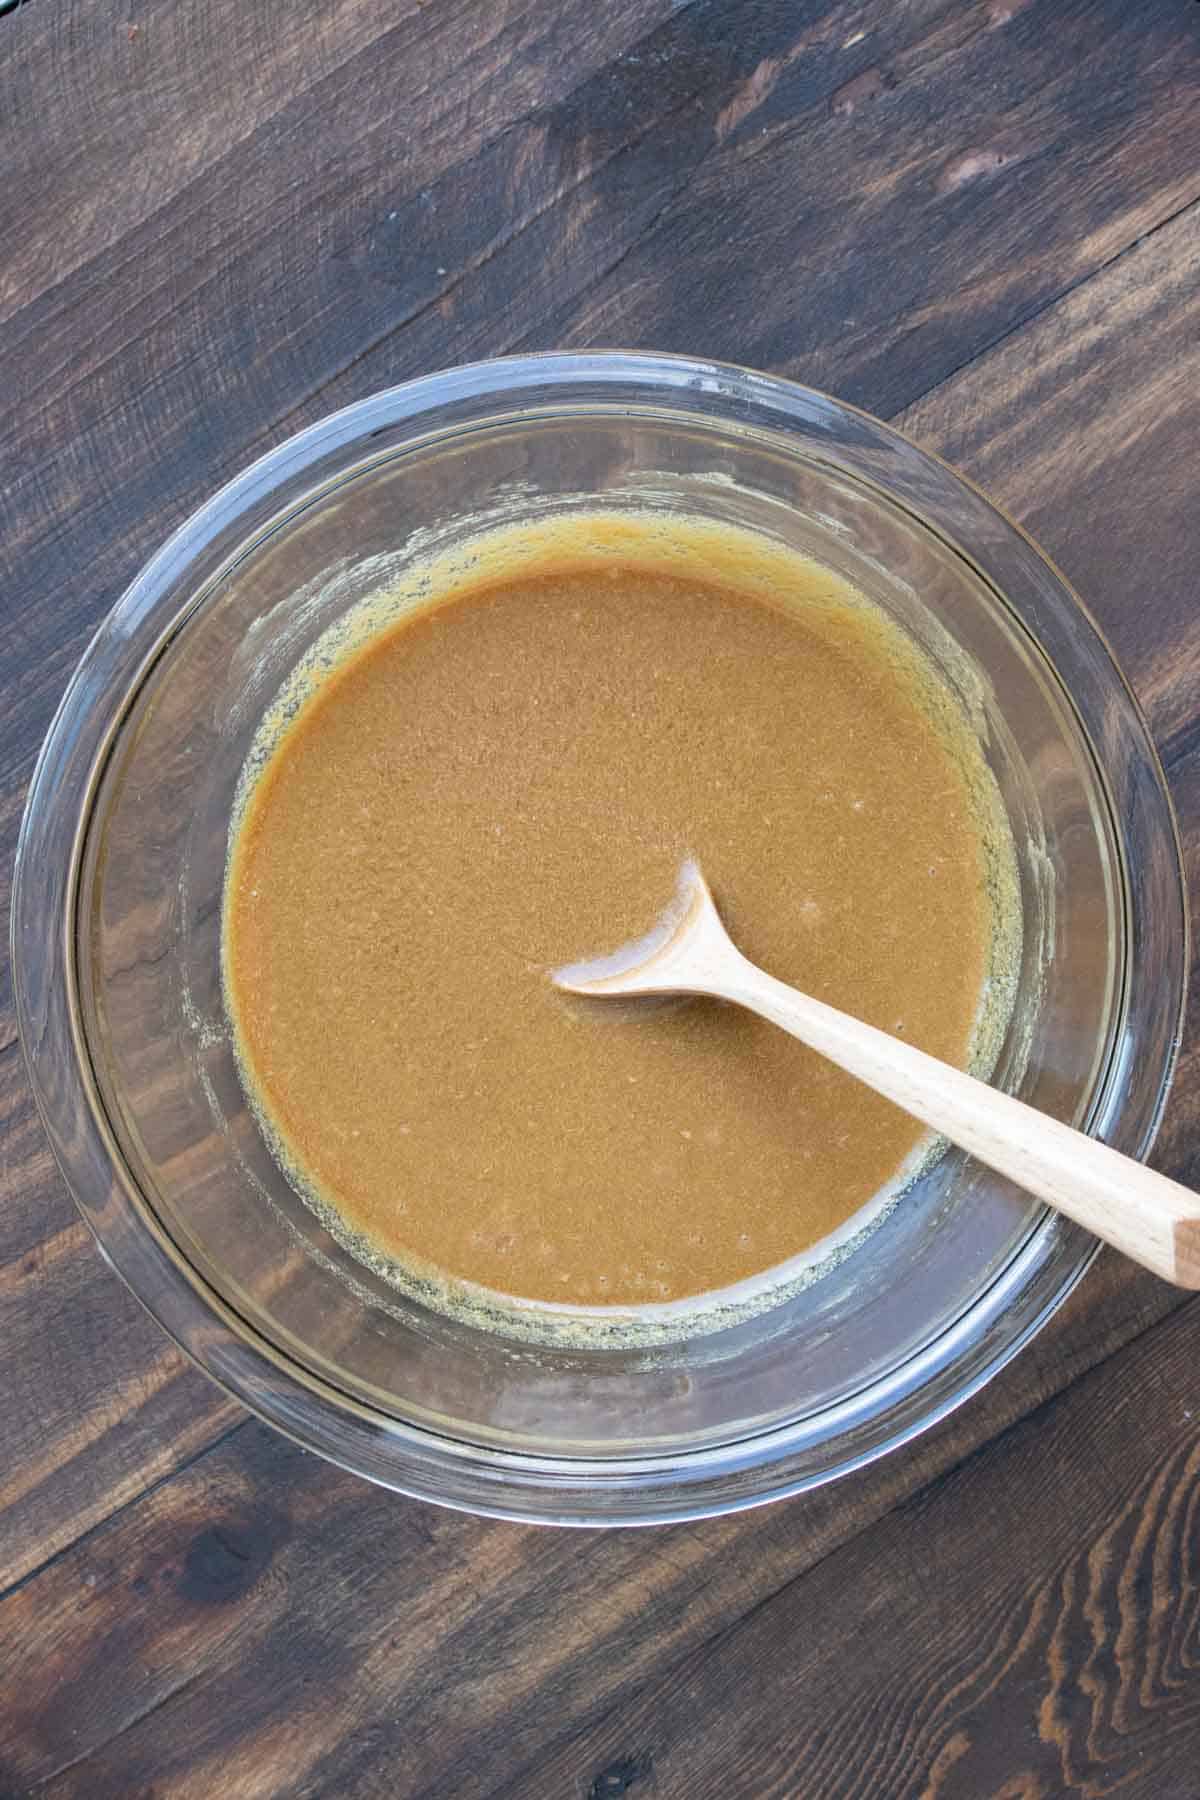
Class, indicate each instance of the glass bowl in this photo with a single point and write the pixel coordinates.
(116, 921)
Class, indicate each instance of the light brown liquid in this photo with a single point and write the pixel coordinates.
(507, 781)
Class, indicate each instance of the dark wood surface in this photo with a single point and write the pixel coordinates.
(980, 218)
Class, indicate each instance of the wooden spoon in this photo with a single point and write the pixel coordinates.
(1151, 1219)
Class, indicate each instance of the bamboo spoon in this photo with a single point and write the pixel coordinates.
(1153, 1220)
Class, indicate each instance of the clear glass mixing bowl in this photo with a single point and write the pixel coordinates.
(117, 910)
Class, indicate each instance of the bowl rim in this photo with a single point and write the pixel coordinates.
(314, 1411)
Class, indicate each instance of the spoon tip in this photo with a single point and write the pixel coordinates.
(598, 974)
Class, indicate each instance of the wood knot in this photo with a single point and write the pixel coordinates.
(224, 1561)
(999, 12)
(617, 1779)
(971, 165)
(864, 88)
(747, 98)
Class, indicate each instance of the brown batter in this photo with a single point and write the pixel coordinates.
(506, 778)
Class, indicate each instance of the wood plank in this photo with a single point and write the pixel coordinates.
(1085, 427)
(187, 92)
(97, 1402)
(878, 206)
(1028, 1630)
(221, 287)
(265, 1624)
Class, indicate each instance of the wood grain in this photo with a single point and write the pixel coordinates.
(1083, 425)
(268, 1620)
(977, 216)
(96, 1402)
(188, 93)
(1030, 1628)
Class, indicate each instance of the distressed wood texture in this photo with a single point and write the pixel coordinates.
(980, 218)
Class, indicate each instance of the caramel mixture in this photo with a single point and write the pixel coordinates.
(501, 773)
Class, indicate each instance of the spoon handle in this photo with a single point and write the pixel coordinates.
(1150, 1218)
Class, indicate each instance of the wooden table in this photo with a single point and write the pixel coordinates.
(218, 221)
